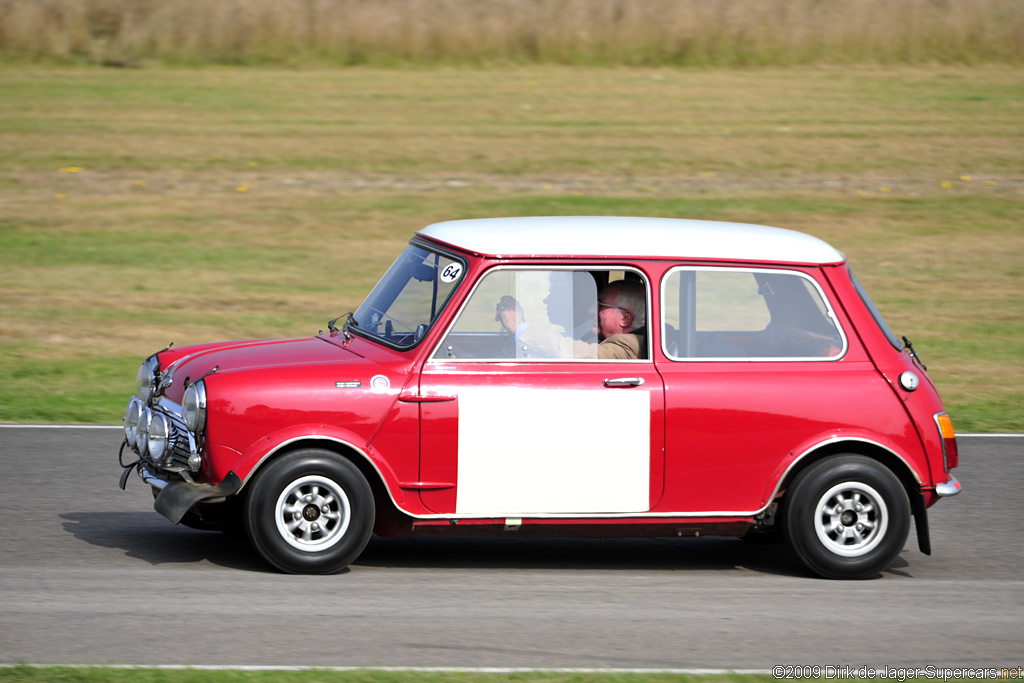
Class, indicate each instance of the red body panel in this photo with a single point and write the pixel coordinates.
(921, 405)
(265, 396)
(734, 429)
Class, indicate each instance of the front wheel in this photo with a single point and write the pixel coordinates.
(309, 512)
(848, 517)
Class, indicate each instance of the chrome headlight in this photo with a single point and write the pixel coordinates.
(145, 379)
(159, 430)
(131, 420)
(193, 407)
(142, 435)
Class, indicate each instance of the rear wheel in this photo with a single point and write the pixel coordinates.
(309, 512)
(848, 517)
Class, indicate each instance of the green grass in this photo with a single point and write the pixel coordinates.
(143, 207)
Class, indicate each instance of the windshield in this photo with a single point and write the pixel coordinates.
(409, 298)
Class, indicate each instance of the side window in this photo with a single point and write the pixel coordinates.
(721, 313)
(535, 314)
(729, 300)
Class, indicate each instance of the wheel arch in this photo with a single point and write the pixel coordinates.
(390, 521)
(894, 462)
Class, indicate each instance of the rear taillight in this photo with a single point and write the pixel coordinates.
(949, 449)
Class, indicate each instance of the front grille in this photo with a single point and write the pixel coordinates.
(178, 450)
(180, 446)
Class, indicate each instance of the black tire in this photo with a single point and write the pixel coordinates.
(847, 517)
(309, 512)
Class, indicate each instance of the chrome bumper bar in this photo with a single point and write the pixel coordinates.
(150, 478)
(950, 488)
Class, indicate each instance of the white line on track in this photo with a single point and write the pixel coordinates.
(406, 669)
(13, 426)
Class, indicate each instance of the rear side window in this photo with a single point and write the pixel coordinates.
(747, 314)
(890, 335)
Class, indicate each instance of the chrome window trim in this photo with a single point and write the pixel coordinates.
(520, 361)
(752, 359)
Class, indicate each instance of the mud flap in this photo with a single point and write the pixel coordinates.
(176, 498)
(125, 469)
(125, 472)
(920, 510)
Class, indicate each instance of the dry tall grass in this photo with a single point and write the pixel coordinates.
(684, 32)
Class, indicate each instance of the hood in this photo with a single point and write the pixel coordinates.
(189, 363)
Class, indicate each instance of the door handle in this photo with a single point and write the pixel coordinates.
(624, 382)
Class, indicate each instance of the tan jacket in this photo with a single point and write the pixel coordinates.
(537, 343)
(622, 347)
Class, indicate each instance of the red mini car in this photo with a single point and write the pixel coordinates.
(567, 376)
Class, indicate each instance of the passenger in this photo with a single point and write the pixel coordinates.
(621, 314)
(621, 318)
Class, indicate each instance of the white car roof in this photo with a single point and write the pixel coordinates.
(613, 236)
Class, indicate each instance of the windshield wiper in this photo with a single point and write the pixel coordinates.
(913, 354)
(349, 320)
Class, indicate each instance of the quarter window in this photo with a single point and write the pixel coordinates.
(884, 326)
(724, 313)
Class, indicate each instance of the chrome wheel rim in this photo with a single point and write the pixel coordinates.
(312, 513)
(851, 519)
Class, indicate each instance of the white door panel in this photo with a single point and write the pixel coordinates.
(535, 451)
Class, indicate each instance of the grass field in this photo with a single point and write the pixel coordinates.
(139, 207)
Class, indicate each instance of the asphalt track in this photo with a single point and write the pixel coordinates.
(90, 574)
